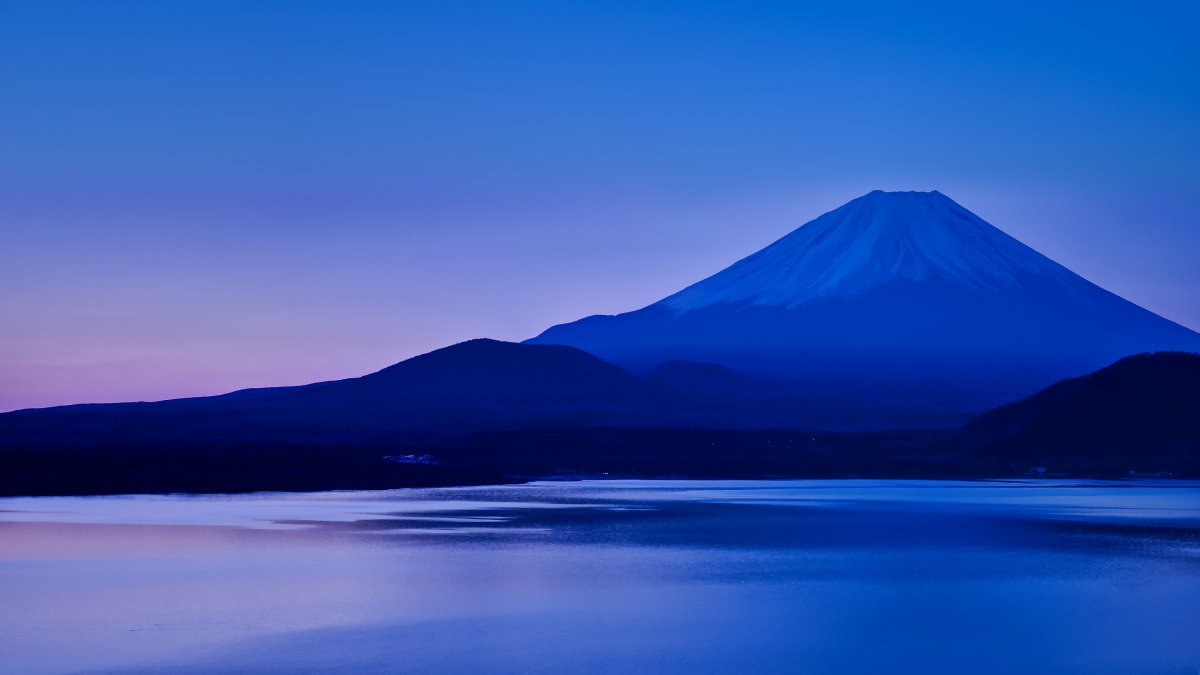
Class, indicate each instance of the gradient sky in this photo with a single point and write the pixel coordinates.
(202, 196)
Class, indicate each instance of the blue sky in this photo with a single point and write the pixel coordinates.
(197, 197)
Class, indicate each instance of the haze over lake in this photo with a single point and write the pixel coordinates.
(607, 576)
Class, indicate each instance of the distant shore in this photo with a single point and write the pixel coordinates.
(514, 456)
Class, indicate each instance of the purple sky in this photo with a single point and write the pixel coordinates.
(202, 197)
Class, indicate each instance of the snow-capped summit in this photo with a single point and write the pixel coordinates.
(904, 288)
(878, 239)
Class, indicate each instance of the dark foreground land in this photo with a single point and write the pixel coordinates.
(229, 468)
(478, 458)
(512, 456)
(1139, 417)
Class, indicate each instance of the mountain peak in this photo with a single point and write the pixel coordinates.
(903, 193)
(875, 240)
(892, 287)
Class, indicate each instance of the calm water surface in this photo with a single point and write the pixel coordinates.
(610, 576)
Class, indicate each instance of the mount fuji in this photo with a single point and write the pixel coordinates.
(849, 347)
(894, 295)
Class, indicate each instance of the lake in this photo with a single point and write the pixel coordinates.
(611, 577)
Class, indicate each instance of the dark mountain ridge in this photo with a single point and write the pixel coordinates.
(1139, 414)
(479, 382)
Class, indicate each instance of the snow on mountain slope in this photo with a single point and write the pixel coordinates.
(875, 240)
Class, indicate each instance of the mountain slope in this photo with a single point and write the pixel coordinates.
(903, 294)
(475, 382)
(492, 373)
(876, 240)
(1142, 413)
(689, 376)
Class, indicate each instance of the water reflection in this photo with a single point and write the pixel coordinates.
(613, 576)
